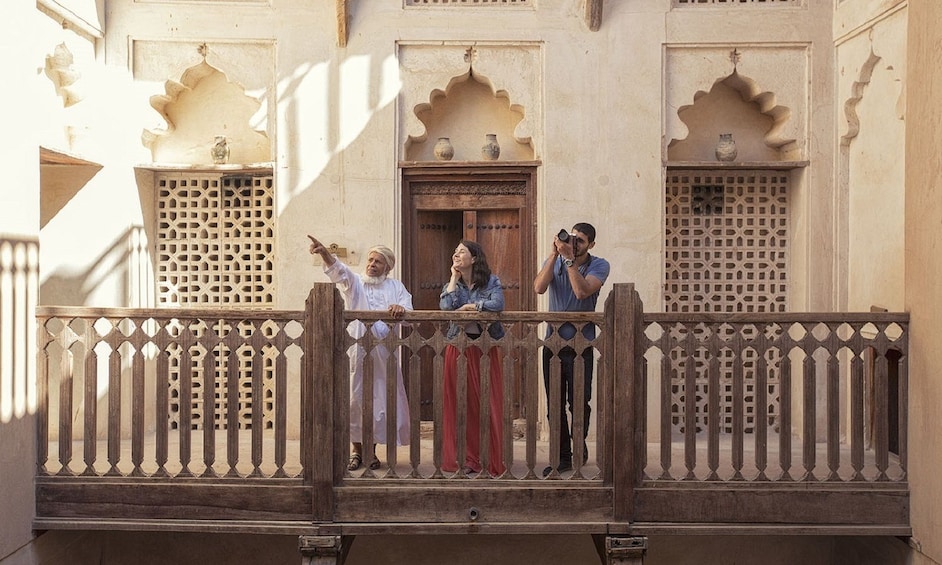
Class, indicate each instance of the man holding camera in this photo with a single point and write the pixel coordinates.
(574, 279)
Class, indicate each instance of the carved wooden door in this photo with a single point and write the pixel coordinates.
(490, 205)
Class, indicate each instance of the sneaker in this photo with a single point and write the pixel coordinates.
(564, 465)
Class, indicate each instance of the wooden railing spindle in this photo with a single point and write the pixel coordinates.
(785, 410)
(808, 417)
(91, 409)
(232, 340)
(739, 401)
(137, 399)
(690, 402)
(761, 410)
(713, 417)
(161, 394)
(257, 341)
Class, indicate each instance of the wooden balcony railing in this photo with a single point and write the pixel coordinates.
(209, 419)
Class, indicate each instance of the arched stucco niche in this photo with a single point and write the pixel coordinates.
(760, 95)
(202, 105)
(464, 112)
(737, 106)
(464, 93)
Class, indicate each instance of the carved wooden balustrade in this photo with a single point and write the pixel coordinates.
(233, 420)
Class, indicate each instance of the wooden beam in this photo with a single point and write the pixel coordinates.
(593, 14)
(341, 23)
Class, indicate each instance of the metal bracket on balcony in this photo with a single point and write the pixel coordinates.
(324, 550)
(622, 550)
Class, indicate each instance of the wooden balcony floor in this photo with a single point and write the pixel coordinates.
(653, 470)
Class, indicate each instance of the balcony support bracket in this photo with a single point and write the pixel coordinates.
(621, 550)
(324, 550)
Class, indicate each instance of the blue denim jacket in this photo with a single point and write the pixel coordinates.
(487, 299)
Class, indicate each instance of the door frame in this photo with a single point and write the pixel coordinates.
(450, 186)
(472, 187)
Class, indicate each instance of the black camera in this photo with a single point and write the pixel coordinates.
(563, 236)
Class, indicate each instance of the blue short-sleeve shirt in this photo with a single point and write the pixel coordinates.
(563, 299)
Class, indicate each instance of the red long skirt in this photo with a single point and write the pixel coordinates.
(472, 432)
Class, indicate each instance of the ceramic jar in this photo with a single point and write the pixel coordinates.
(443, 149)
(726, 148)
(491, 149)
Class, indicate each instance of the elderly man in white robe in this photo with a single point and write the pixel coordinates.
(373, 290)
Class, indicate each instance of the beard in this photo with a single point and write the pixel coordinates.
(374, 280)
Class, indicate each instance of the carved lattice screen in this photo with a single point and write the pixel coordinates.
(215, 241)
(726, 250)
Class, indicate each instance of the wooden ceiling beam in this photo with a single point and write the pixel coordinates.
(593, 14)
(341, 23)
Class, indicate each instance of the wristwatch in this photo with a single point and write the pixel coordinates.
(568, 262)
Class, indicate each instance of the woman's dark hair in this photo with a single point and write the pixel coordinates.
(480, 271)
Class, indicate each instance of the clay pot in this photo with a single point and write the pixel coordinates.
(443, 149)
(726, 148)
(491, 149)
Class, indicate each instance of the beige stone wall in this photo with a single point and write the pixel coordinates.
(597, 108)
(871, 100)
(923, 271)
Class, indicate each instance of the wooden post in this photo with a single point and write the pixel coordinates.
(341, 23)
(627, 429)
(324, 550)
(323, 358)
(593, 14)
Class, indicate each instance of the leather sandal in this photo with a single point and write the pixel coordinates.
(374, 464)
(356, 461)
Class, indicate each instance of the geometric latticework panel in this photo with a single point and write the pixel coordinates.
(215, 239)
(726, 241)
(726, 251)
(217, 375)
(725, 361)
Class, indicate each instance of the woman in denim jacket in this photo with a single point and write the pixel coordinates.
(473, 287)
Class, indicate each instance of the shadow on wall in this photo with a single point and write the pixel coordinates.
(19, 272)
(121, 262)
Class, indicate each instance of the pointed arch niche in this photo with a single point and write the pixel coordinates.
(202, 106)
(758, 94)
(737, 106)
(465, 112)
(465, 92)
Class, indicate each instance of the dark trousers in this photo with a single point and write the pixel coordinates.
(567, 357)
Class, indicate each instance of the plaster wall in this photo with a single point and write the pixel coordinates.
(870, 186)
(19, 227)
(923, 272)
(89, 211)
(590, 102)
